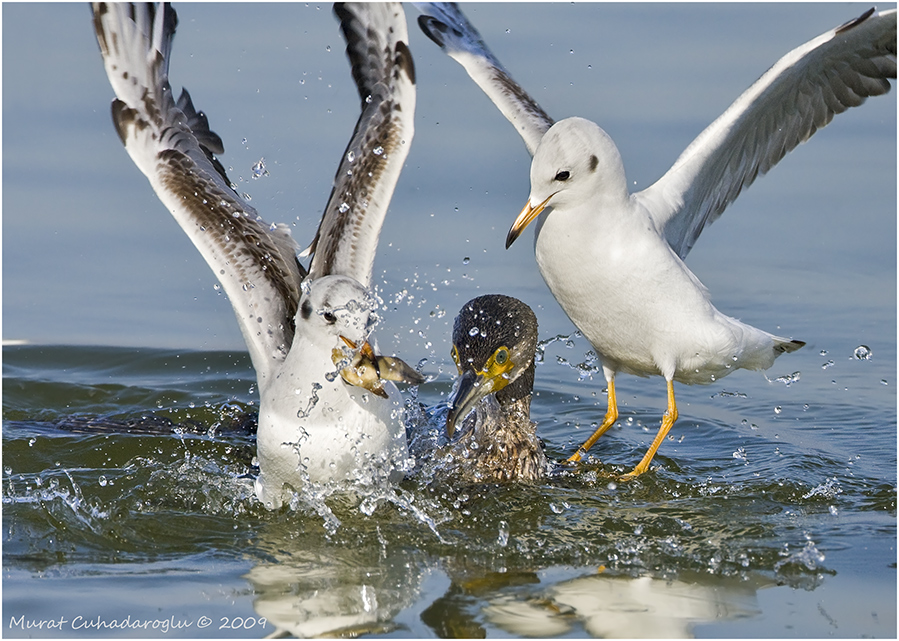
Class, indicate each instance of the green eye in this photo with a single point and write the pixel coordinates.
(501, 356)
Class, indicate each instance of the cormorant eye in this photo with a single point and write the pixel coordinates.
(502, 355)
(563, 175)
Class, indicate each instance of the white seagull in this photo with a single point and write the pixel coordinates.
(306, 331)
(614, 260)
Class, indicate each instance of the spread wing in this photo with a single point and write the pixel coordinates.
(800, 94)
(382, 68)
(445, 24)
(171, 143)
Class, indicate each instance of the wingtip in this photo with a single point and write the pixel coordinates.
(433, 29)
(846, 26)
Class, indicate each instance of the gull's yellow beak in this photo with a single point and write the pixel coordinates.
(524, 219)
(367, 369)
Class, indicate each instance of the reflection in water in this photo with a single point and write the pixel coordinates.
(623, 607)
(150, 492)
(334, 589)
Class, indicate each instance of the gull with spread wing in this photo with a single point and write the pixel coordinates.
(615, 261)
(325, 414)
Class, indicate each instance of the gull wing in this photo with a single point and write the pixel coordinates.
(378, 50)
(171, 143)
(800, 94)
(445, 24)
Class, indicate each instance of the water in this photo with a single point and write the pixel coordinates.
(127, 420)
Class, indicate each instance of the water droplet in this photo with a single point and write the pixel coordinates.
(778, 409)
(503, 538)
(351, 156)
(344, 208)
(827, 364)
(259, 169)
(378, 151)
(789, 379)
(102, 481)
(473, 331)
(466, 260)
(863, 353)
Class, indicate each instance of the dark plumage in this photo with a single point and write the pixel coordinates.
(494, 341)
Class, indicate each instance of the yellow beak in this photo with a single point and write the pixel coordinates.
(524, 219)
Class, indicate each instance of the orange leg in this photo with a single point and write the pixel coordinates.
(667, 422)
(607, 422)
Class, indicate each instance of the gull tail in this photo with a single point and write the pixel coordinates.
(785, 346)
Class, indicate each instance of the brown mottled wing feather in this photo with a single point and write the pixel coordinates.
(171, 143)
(347, 237)
(447, 26)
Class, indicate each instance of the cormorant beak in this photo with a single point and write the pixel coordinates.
(367, 369)
(524, 219)
(472, 388)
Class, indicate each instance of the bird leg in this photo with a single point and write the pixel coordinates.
(607, 422)
(667, 422)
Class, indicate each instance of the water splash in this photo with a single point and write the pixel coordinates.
(787, 379)
(863, 353)
(259, 169)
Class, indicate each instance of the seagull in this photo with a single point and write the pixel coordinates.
(494, 343)
(325, 412)
(615, 261)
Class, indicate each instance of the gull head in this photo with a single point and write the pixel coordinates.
(576, 164)
(494, 341)
(332, 307)
(339, 313)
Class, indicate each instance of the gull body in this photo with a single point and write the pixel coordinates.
(314, 426)
(625, 288)
(614, 260)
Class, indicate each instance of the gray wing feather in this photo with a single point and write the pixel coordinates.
(172, 144)
(446, 25)
(382, 68)
(800, 94)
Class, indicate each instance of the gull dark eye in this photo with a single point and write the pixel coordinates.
(563, 175)
(329, 317)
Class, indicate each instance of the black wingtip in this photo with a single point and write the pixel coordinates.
(433, 29)
(846, 26)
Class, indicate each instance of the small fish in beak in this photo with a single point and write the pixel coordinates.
(368, 370)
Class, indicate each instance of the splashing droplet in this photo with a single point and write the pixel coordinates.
(259, 169)
(863, 353)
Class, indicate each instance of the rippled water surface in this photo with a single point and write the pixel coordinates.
(129, 412)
